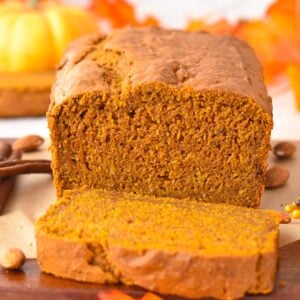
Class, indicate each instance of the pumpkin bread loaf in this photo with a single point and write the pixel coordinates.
(162, 112)
(173, 246)
(25, 94)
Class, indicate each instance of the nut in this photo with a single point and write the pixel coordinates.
(28, 143)
(277, 176)
(12, 258)
(284, 150)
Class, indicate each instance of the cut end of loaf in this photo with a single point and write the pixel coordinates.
(180, 247)
(209, 145)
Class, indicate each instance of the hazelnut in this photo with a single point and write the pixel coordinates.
(284, 150)
(5, 150)
(12, 258)
(277, 176)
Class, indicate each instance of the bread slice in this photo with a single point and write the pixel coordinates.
(164, 113)
(180, 247)
(25, 94)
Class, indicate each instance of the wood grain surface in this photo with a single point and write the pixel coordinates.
(30, 283)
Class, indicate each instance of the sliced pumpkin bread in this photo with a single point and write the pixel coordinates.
(180, 247)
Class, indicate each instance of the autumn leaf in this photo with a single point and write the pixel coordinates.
(293, 72)
(119, 13)
(114, 295)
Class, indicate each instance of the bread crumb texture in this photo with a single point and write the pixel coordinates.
(174, 246)
(162, 112)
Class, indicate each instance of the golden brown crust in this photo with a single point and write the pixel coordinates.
(183, 274)
(15, 103)
(81, 78)
(172, 57)
(195, 276)
(69, 259)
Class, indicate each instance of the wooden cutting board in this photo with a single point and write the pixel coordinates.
(30, 283)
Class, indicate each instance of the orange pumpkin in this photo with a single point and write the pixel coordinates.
(293, 72)
(33, 35)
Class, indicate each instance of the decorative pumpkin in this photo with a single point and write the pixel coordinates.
(33, 35)
(293, 72)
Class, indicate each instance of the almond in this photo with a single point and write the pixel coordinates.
(277, 176)
(28, 143)
(284, 150)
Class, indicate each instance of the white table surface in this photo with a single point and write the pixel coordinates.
(286, 119)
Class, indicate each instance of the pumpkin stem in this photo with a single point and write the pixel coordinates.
(33, 3)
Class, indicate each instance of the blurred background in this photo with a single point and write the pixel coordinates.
(34, 34)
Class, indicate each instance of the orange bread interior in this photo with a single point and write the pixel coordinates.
(174, 246)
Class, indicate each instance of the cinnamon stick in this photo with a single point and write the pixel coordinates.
(7, 183)
(16, 167)
(11, 165)
(16, 161)
(6, 186)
